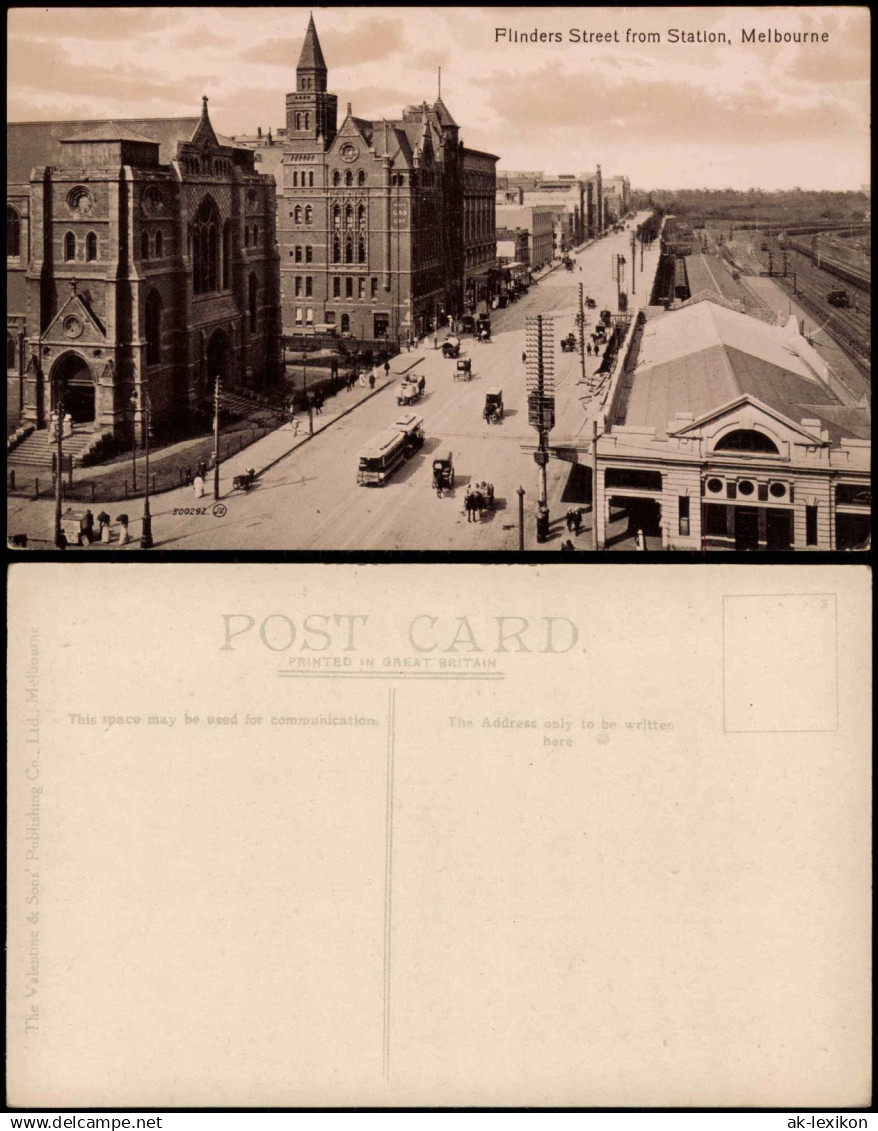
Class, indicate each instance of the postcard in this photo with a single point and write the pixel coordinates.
(481, 279)
(398, 835)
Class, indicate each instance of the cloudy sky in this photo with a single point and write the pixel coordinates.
(673, 115)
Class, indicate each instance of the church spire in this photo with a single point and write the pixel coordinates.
(311, 61)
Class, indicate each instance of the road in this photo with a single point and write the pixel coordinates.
(310, 500)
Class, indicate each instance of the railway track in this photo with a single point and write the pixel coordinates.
(835, 266)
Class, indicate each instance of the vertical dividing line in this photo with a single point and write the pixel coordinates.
(388, 876)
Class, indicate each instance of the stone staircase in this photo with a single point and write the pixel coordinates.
(36, 452)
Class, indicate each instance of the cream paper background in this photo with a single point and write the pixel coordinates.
(425, 913)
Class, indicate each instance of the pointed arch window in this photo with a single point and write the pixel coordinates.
(361, 250)
(70, 247)
(10, 353)
(361, 217)
(361, 178)
(253, 292)
(298, 121)
(336, 249)
(153, 328)
(227, 255)
(336, 179)
(91, 247)
(297, 214)
(255, 235)
(144, 245)
(349, 217)
(13, 233)
(309, 214)
(206, 248)
(348, 250)
(159, 245)
(348, 178)
(336, 216)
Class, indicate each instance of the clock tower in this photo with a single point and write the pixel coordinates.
(311, 112)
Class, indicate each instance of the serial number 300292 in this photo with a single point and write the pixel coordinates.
(190, 510)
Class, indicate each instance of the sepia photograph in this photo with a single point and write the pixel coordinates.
(337, 835)
(466, 279)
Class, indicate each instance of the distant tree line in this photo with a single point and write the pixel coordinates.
(754, 205)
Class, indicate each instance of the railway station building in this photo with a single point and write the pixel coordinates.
(141, 264)
(725, 432)
(385, 228)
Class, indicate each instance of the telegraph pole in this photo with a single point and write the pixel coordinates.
(541, 406)
(59, 455)
(581, 332)
(633, 264)
(216, 452)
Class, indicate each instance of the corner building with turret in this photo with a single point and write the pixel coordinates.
(384, 228)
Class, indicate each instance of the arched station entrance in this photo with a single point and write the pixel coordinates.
(219, 360)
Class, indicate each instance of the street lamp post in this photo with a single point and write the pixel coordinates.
(146, 528)
(520, 518)
(216, 448)
(633, 263)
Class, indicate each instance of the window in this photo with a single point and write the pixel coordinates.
(348, 250)
(144, 245)
(309, 316)
(298, 254)
(309, 253)
(206, 248)
(346, 323)
(349, 217)
(336, 249)
(329, 315)
(362, 288)
(297, 215)
(684, 515)
(310, 180)
(298, 316)
(361, 250)
(153, 328)
(746, 440)
(348, 178)
(70, 247)
(298, 121)
(295, 180)
(10, 353)
(252, 297)
(374, 288)
(361, 178)
(309, 214)
(349, 287)
(361, 217)
(13, 233)
(91, 246)
(336, 180)
(255, 235)
(336, 287)
(810, 526)
(227, 256)
(298, 285)
(309, 286)
(307, 120)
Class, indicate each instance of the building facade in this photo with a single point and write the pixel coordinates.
(142, 265)
(377, 220)
(729, 433)
(539, 223)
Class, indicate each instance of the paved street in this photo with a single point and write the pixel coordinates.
(310, 499)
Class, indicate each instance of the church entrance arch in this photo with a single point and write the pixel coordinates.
(75, 377)
(218, 359)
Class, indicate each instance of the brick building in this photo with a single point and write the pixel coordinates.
(141, 259)
(539, 223)
(379, 223)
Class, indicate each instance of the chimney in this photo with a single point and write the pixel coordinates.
(259, 132)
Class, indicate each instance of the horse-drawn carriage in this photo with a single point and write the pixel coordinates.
(590, 302)
(244, 482)
(493, 412)
(443, 472)
(409, 391)
(451, 347)
(483, 328)
(77, 527)
(568, 344)
(479, 497)
(464, 370)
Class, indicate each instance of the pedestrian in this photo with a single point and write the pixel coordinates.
(524, 358)
(422, 381)
(386, 369)
(362, 380)
(567, 546)
(577, 520)
(318, 403)
(198, 486)
(202, 468)
(640, 541)
(89, 525)
(569, 518)
(187, 475)
(124, 536)
(371, 380)
(588, 348)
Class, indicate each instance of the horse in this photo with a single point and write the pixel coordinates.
(474, 503)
